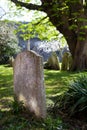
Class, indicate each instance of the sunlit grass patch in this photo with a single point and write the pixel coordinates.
(59, 79)
(6, 87)
(57, 83)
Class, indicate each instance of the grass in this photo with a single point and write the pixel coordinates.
(56, 83)
(6, 87)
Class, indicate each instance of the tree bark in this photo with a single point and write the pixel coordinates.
(80, 56)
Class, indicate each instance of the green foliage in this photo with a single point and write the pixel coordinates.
(64, 15)
(75, 99)
(54, 124)
(8, 40)
(17, 107)
(40, 27)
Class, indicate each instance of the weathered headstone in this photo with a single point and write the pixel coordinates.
(70, 62)
(28, 82)
(53, 62)
(66, 61)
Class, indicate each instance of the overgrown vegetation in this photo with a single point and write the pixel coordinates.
(8, 41)
(74, 100)
(13, 117)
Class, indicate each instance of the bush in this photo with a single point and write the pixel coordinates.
(8, 42)
(75, 99)
(4, 59)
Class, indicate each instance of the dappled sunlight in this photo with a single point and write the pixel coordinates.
(56, 78)
(5, 103)
(21, 98)
(57, 83)
(34, 106)
(59, 78)
(55, 91)
(5, 91)
(6, 87)
(10, 98)
(5, 99)
(4, 69)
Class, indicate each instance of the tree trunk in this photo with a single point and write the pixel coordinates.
(80, 56)
(77, 47)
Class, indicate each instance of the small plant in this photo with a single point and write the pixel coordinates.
(17, 107)
(75, 99)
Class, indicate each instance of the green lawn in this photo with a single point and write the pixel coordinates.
(6, 87)
(56, 83)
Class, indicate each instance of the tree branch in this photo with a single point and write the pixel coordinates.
(40, 20)
(28, 5)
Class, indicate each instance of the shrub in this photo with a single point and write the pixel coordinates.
(8, 42)
(75, 99)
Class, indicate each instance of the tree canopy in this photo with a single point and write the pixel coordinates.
(70, 19)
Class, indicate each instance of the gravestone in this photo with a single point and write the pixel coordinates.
(70, 62)
(53, 62)
(67, 61)
(29, 84)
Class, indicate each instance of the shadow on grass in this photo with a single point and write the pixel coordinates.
(10, 121)
(57, 82)
(6, 88)
(58, 77)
